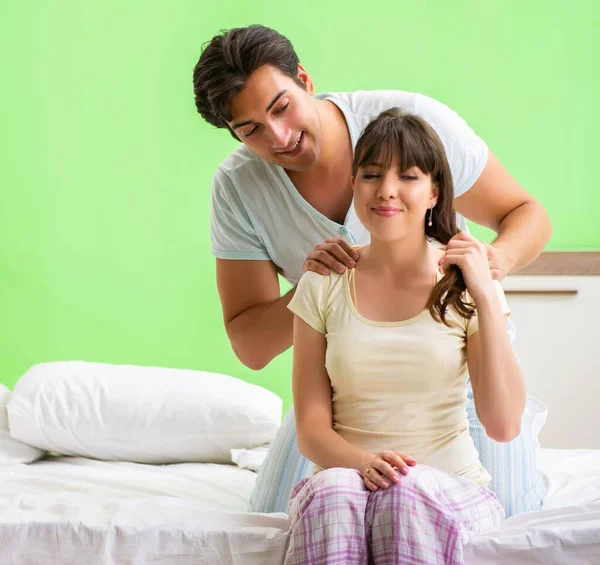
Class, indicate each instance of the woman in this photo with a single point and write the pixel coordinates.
(382, 354)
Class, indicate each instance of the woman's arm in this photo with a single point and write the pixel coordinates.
(312, 405)
(498, 387)
(497, 380)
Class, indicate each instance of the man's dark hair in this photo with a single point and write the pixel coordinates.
(227, 61)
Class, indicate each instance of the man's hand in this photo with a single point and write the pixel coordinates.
(333, 254)
(500, 264)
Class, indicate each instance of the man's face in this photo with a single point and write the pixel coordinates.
(277, 119)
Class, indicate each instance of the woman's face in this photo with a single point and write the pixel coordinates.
(392, 204)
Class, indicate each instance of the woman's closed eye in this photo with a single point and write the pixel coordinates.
(370, 176)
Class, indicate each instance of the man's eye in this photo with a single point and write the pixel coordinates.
(369, 176)
(283, 108)
(251, 132)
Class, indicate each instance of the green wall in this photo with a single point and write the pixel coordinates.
(106, 167)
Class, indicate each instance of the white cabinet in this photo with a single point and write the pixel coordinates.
(557, 320)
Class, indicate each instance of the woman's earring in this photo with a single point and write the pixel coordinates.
(430, 223)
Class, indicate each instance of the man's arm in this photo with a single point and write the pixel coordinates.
(498, 202)
(257, 320)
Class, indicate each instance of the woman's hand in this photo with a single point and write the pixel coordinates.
(471, 256)
(332, 254)
(383, 470)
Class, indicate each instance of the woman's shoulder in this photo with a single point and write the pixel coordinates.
(327, 287)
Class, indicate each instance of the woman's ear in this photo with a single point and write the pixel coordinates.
(352, 182)
(435, 192)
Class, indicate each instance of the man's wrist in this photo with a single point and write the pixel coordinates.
(507, 255)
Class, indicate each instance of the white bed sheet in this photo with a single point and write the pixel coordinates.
(77, 511)
(566, 531)
(67, 511)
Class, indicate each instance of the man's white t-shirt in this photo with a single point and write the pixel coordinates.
(258, 214)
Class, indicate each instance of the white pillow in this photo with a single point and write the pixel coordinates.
(140, 414)
(251, 459)
(11, 450)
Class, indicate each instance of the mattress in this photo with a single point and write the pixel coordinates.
(67, 511)
(63, 511)
(566, 531)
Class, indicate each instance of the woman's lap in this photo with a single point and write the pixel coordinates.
(429, 515)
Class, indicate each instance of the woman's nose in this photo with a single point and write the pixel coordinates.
(387, 188)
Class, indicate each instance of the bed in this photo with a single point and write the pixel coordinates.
(63, 511)
(68, 510)
(566, 531)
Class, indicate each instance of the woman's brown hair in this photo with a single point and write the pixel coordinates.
(415, 143)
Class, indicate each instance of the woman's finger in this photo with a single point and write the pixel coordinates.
(448, 260)
(377, 478)
(459, 251)
(370, 484)
(458, 243)
(463, 235)
(386, 470)
(397, 461)
(408, 459)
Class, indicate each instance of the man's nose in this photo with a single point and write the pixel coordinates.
(279, 135)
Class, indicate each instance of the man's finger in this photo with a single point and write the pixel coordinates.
(496, 274)
(341, 253)
(328, 260)
(347, 247)
(316, 267)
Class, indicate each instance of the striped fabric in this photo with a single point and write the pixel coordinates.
(283, 467)
(516, 481)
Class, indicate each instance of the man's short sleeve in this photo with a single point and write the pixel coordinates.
(308, 301)
(467, 153)
(232, 233)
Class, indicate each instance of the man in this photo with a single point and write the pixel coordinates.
(287, 188)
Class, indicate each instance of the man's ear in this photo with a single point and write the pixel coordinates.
(306, 80)
(352, 182)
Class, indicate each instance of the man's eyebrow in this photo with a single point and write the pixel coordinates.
(273, 102)
(279, 95)
(241, 124)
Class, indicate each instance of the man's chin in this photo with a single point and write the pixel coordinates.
(298, 164)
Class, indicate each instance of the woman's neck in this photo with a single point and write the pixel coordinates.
(409, 257)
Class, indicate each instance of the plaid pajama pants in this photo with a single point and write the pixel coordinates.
(425, 519)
